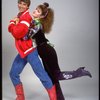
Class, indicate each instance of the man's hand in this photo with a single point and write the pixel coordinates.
(16, 19)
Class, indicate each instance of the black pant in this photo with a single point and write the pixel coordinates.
(50, 62)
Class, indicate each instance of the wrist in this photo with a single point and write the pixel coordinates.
(12, 22)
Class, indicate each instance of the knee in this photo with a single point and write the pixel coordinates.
(12, 74)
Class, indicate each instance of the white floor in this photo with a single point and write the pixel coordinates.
(83, 88)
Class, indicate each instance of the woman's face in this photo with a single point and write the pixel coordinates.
(22, 6)
(37, 13)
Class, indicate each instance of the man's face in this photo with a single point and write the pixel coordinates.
(22, 6)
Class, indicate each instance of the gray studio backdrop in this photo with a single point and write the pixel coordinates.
(75, 37)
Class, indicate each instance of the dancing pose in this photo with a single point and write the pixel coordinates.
(18, 27)
(42, 22)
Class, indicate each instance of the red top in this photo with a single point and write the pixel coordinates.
(18, 31)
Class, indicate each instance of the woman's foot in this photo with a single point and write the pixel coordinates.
(82, 72)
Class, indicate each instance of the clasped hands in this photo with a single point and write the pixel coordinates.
(16, 20)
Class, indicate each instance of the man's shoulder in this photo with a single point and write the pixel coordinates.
(26, 16)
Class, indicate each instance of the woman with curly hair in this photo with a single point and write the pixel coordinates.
(43, 18)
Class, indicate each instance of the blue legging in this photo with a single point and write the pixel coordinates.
(33, 59)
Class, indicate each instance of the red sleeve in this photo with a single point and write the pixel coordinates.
(20, 30)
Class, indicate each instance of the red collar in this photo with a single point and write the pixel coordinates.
(22, 13)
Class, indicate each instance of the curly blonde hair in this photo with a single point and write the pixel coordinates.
(48, 19)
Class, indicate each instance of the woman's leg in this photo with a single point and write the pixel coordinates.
(50, 62)
(47, 52)
(67, 75)
(15, 71)
(55, 81)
